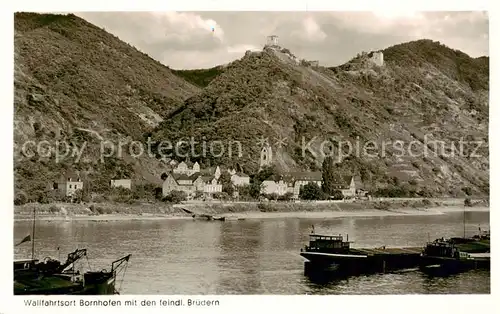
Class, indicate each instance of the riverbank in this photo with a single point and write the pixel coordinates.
(242, 210)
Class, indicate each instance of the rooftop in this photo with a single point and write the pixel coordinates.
(303, 176)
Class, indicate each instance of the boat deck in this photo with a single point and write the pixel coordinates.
(333, 254)
(387, 251)
(46, 283)
(481, 255)
(482, 246)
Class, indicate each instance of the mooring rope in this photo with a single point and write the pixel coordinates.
(123, 276)
(88, 262)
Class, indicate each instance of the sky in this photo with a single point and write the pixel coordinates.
(192, 40)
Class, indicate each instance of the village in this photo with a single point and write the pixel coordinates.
(187, 181)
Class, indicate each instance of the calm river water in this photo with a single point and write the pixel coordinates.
(249, 256)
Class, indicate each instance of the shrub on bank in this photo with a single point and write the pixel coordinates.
(467, 202)
(175, 197)
(286, 197)
(312, 191)
(20, 199)
(382, 205)
(426, 202)
(404, 190)
(265, 207)
(54, 209)
(99, 210)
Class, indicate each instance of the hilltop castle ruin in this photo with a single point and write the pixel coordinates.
(272, 41)
(377, 57)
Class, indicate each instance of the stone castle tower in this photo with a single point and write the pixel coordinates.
(266, 156)
(272, 40)
(378, 58)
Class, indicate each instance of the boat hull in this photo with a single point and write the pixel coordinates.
(438, 266)
(358, 264)
(93, 284)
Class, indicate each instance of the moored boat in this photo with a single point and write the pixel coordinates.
(331, 254)
(445, 256)
(51, 277)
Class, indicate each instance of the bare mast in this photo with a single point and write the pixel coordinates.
(464, 221)
(33, 236)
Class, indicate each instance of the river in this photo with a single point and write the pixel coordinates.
(261, 256)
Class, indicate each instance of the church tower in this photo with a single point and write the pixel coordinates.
(266, 156)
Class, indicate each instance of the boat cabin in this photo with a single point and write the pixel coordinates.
(24, 264)
(483, 235)
(327, 244)
(443, 248)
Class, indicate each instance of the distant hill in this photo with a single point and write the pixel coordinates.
(200, 77)
(76, 83)
(453, 63)
(73, 82)
(423, 88)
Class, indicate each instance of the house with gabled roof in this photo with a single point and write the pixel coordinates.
(296, 180)
(187, 167)
(346, 184)
(68, 183)
(274, 187)
(211, 185)
(178, 182)
(190, 184)
(240, 179)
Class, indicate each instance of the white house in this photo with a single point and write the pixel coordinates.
(68, 184)
(240, 179)
(273, 187)
(124, 183)
(211, 185)
(298, 179)
(187, 168)
(191, 184)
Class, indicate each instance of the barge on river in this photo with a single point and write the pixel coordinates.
(449, 256)
(51, 277)
(326, 253)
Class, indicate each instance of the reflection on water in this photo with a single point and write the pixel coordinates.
(249, 256)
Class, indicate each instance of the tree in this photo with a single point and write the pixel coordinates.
(486, 188)
(249, 192)
(144, 191)
(221, 196)
(227, 184)
(198, 194)
(328, 175)
(20, 198)
(44, 198)
(254, 189)
(158, 193)
(337, 195)
(78, 196)
(286, 197)
(425, 192)
(266, 173)
(467, 202)
(467, 190)
(272, 196)
(311, 191)
(175, 197)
